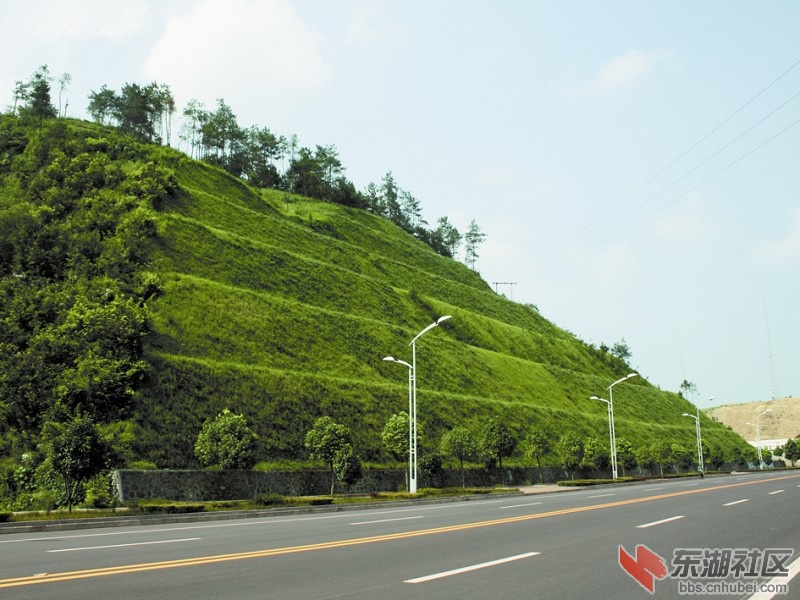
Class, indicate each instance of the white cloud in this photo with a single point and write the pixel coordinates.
(85, 19)
(623, 70)
(787, 247)
(256, 50)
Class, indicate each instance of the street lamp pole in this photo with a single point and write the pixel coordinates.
(613, 427)
(410, 431)
(610, 435)
(758, 437)
(700, 463)
(413, 417)
(700, 466)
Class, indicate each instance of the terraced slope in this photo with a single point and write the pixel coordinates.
(283, 308)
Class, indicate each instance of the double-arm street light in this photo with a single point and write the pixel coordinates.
(610, 433)
(412, 403)
(758, 437)
(612, 428)
(700, 465)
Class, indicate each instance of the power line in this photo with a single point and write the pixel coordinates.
(567, 245)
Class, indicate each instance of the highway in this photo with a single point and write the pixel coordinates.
(542, 546)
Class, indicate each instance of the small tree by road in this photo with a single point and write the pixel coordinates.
(227, 442)
(395, 437)
(595, 454)
(459, 443)
(498, 443)
(570, 452)
(626, 456)
(347, 466)
(77, 452)
(324, 440)
(537, 445)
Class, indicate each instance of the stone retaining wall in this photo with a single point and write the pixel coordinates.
(242, 485)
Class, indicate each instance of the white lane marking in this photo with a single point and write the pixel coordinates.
(736, 502)
(521, 505)
(653, 489)
(661, 522)
(775, 492)
(247, 523)
(690, 484)
(773, 583)
(385, 520)
(600, 495)
(126, 545)
(470, 568)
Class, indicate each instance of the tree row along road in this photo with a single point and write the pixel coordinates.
(539, 546)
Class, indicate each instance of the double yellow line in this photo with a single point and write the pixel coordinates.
(207, 560)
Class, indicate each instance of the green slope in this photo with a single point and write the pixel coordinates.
(283, 308)
(271, 305)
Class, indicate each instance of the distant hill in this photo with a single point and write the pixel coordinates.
(280, 308)
(781, 423)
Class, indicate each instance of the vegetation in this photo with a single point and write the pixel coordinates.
(227, 442)
(149, 293)
(332, 443)
(461, 444)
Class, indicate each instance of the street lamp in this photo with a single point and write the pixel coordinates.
(410, 431)
(758, 437)
(610, 435)
(613, 427)
(412, 487)
(700, 465)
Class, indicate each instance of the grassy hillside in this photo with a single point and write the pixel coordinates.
(283, 308)
(150, 292)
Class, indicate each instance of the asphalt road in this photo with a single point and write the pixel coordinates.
(551, 546)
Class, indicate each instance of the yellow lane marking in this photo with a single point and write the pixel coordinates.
(207, 560)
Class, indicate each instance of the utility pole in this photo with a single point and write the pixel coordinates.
(509, 283)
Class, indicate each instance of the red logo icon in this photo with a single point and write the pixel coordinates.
(645, 568)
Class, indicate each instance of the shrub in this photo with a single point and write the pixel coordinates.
(162, 506)
(269, 499)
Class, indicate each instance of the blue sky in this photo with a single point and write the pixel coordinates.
(633, 164)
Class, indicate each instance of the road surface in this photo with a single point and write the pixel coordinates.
(549, 546)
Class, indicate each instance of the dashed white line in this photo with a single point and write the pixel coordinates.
(600, 495)
(736, 502)
(470, 568)
(773, 583)
(126, 545)
(775, 492)
(521, 505)
(661, 522)
(385, 520)
(653, 489)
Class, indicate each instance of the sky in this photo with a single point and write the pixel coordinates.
(634, 165)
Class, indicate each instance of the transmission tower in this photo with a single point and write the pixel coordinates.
(773, 375)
